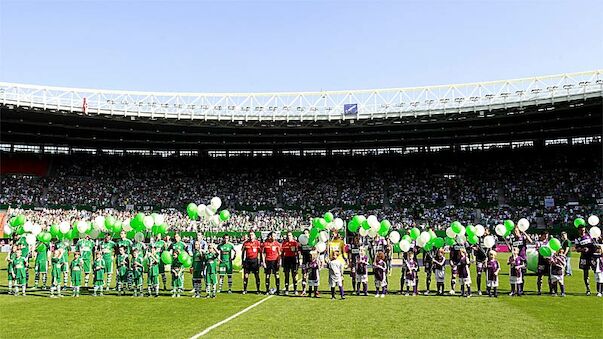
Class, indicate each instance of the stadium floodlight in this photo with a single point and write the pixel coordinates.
(285, 108)
(505, 94)
(245, 108)
(313, 109)
(599, 82)
(584, 83)
(204, 107)
(519, 93)
(552, 88)
(231, 108)
(218, 108)
(429, 102)
(329, 108)
(568, 87)
(300, 109)
(459, 100)
(444, 100)
(489, 96)
(474, 99)
(536, 90)
(259, 108)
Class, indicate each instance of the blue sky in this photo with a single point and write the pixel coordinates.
(228, 46)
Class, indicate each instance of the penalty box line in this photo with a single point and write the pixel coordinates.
(248, 308)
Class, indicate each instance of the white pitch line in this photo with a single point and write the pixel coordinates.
(205, 331)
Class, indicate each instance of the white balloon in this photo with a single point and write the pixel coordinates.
(394, 237)
(36, 229)
(500, 229)
(523, 224)
(94, 233)
(148, 222)
(125, 225)
(489, 241)
(201, 211)
(425, 237)
(139, 237)
(27, 227)
(321, 247)
(420, 242)
(404, 245)
(372, 219)
(450, 233)
(30, 239)
(82, 226)
(209, 211)
(461, 239)
(99, 222)
(216, 203)
(480, 230)
(8, 230)
(323, 236)
(363, 232)
(303, 239)
(158, 219)
(215, 220)
(64, 227)
(595, 232)
(372, 233)
(593, 220)
(338, 223)
(462, 231)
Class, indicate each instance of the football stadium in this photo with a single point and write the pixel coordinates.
(461, 210)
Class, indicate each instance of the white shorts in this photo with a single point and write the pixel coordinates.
(440, 275)
(465, 281)
(410, 283)
(361, 278)
(516, 280)
(380, 283)
(335, 282)
(492, 283)
(599, 277)
(313, 283)
(557, 278)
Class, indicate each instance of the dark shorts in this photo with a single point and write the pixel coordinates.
(480, 267)
(271, 267)
(290, 263)
(585, 263)
(543, 269)
(251, 265)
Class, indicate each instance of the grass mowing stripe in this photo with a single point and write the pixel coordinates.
(205, 331)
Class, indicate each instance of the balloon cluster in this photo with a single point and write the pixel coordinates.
(184, 258)
(593, 221)
(210, 212)
(319, 235)
(32, 232)
(426, 240)
(370, 226)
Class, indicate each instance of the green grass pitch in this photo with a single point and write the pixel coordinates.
(111, 316)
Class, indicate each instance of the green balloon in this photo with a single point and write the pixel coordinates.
(117, 226)
(470, 230)
(555, 244)
(131, 234)
(384, 228)
(12, 221)
(414, 233)
(472, 239)
(19, 220)
(224, 215)
(438, 242)
(509, 225)
(20, 230)
(428, 246)
(46, 237)
(138, 222)
(579, 222)
(166, 257)
(365, 225)
(432, 235)
(162, 229)
(109, 222)
(314, 233)
(73, 233)
(328, 217)
(358, 219)
(54, 230)
(183, 256)
(545, 251)
(353, 226)
(407, 238)
(532, 260)
(42, 248)
(397, 248)
(192, 211)
(456, 227)
(188, 262)
(450, 241)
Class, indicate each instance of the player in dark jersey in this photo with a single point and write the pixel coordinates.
(455, 257)
(587, 248)
(271, 257)
(306, 254)
(353, 254)
(481, 260)
(291, 250)
(428, 264)
(544, 265)
(251, 252)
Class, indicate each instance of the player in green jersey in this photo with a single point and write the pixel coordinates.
(76, 273)
(107, 249)
(20, 273)
(98, 266)
(162, 245)
(198, 269)
(153, 276)
(41, 265)
(177, 276)
(63, 246)
(211, 263)
(55, 283)
(227, 255)
(137, 271)
(10, 258)
(123, 268)
(85, 247)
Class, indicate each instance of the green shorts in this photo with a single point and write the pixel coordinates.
(64, 267)
(225, 268)
(41, 266)
(21, 277)
(87, 266)
(108, 264)
(153, 280)
(76, 278)
(211, 279)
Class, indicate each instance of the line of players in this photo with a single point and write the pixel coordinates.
(96, 263)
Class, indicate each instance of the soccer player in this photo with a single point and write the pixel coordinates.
(313, 274)
(55, 283)
(41, 265)
(361, 271)
(521, 240)
(516, 263)
(336, 274)
(271, 258)
(162, 245)
(455, 256)
(153, 274)
(544, 264)
(291, 250)
(177, 276)
(306, 255)
(411, 272)
(178, 244)
(251, 261)
(127, 244)
(20, 273)
(107, 249)
(211, 263)
(137, 271)
(586, 247)
(481, 260)
(353, 250)
(98, 266)
(227, 255)
(85, 246)
(63, 246)
(76, 273)
(599, 271)
(10, 268)
(380, 272)
(464, 274)
(198, 269)
(122, 263)
(439, 269)
(557, 263)
(492, 271)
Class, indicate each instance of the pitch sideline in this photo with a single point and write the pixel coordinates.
(248, 308)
